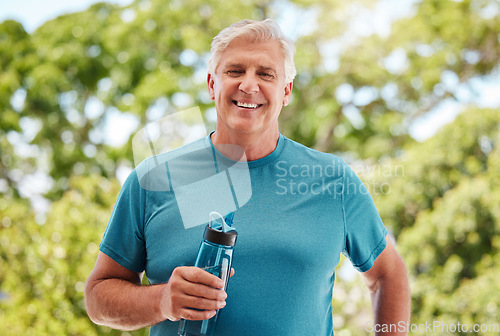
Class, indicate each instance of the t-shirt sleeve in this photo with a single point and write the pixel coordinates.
(364, 231)
(123, 239)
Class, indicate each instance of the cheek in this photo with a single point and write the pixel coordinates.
(215, 89)
(279, 98)
(222, 90)
(218, 93)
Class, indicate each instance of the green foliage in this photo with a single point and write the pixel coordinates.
(351, 301)
(444, 211)
(46, 261)
(355, 94)
(460, 151)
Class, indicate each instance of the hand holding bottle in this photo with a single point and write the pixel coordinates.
(192, 294)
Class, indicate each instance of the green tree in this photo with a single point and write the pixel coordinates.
(440, 202)
(356, 94)
(444, 212)
(45, 262)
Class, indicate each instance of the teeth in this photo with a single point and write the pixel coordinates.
(246, 105)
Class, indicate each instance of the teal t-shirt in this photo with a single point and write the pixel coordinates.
(300, 210)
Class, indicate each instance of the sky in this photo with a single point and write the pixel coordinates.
(33, 13)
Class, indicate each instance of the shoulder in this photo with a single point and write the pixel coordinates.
(169, 154)
(301, 154)
(152, 173)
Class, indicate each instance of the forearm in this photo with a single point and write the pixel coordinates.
(120, 304)
(391, 304)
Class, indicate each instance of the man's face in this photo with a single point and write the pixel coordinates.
(249, 87)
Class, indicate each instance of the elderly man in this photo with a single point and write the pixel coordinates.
(306, 208)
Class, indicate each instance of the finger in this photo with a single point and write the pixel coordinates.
(195, 315)
(203, 291)
(203, 303)
(197, 275)
(232, 272)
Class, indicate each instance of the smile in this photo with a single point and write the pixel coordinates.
(245, 105)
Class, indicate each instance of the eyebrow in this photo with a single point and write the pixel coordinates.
(233, 65)
(268, 69)
(239, 66)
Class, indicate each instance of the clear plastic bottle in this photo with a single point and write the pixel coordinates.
(215, 255)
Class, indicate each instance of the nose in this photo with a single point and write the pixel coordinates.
(249, 84)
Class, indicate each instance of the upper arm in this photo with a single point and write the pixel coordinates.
(388, 264)
(106, 268)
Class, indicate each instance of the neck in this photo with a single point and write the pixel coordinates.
(254, 146)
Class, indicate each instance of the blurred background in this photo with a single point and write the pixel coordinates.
(407, 92)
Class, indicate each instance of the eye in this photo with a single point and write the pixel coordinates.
(235, 72)
(266, 75)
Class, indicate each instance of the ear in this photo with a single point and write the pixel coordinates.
(288, 93)
(210, 82)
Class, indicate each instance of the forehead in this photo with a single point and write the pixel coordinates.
(243, 52)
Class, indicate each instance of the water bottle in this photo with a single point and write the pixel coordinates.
(215, 255)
